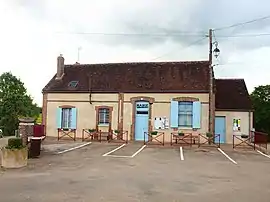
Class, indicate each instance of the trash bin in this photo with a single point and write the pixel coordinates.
(35, 147)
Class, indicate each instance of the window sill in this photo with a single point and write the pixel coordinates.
(103, 124)
(185, 128)
(66, 129)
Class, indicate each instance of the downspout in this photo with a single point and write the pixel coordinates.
(249, 121)
(90, 88)
(249, 126)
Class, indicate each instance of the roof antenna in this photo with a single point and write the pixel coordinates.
(78, 59)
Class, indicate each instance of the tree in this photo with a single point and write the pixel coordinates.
(14, 103)
(261, 103)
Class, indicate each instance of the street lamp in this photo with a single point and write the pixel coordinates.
(216, 50)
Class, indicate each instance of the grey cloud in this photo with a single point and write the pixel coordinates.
(165, 17)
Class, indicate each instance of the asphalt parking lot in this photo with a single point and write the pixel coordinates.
(153, 174)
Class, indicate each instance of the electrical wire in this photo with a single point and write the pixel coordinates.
(170, 35)
(195, 34)
(244, 35)
(243, 23)
(191, 44)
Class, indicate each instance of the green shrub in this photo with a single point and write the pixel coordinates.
(14, 143)
(91, 130)
(208, 134)
(154, 133)
(181, 133)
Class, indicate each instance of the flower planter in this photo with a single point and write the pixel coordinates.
(14, 158)
(26, 120)
(154, 133)
(181, 134)
(209, 135)
(244, 136)
(116, 132)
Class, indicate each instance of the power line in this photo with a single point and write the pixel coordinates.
(242, 23)
(244, 35)
(195, 34)
(193, 43)
(170, 34)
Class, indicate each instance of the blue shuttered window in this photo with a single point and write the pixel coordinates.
(185, 114)
(66, 118)
(59, 118)
(174, 114)
(73, 118)
(196, 115)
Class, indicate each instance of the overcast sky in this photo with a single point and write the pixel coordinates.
(34, 32)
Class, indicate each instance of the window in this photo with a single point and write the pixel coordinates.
(73, 84)
(103, 116)
(236, 125)
(66, 118)
(185, 114)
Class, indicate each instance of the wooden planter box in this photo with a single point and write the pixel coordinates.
(14, 158)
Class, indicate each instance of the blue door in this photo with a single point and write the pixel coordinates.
(141, 120)
(220, 128)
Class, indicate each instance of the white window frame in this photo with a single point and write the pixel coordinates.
(185, 114)
(66, 118)
(103, 116)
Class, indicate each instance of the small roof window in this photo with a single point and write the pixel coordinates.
(73, 84)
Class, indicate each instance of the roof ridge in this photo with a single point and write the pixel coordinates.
(146, 62)
(230, 79)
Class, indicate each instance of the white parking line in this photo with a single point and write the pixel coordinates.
(181, 154)
(227, 156)
(114, 150)
(111, 155)
(263, 154)
(73, 148)
(138, 151)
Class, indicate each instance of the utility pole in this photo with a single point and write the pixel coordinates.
(211, 128)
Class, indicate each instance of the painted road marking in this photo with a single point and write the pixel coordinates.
(114, 150)
(181, 154)
(263, 154)
(227, 156)
(119, 156)
(111, 155)
(138, 151)
(73, 148)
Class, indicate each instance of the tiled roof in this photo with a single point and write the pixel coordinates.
(134, 77)
(232, 94)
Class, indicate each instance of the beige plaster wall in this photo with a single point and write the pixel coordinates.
(86, 113)
(82, 97)
(246, 124)
(166, 97)
(161, 108)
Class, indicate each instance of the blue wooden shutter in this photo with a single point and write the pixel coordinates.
(196, 121)
(59, 117)
(174, 114)
(73, 118)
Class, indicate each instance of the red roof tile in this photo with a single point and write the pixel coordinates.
(232, 94)
(134, 77)
(151, 77)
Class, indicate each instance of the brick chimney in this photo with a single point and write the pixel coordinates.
(60, 67)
